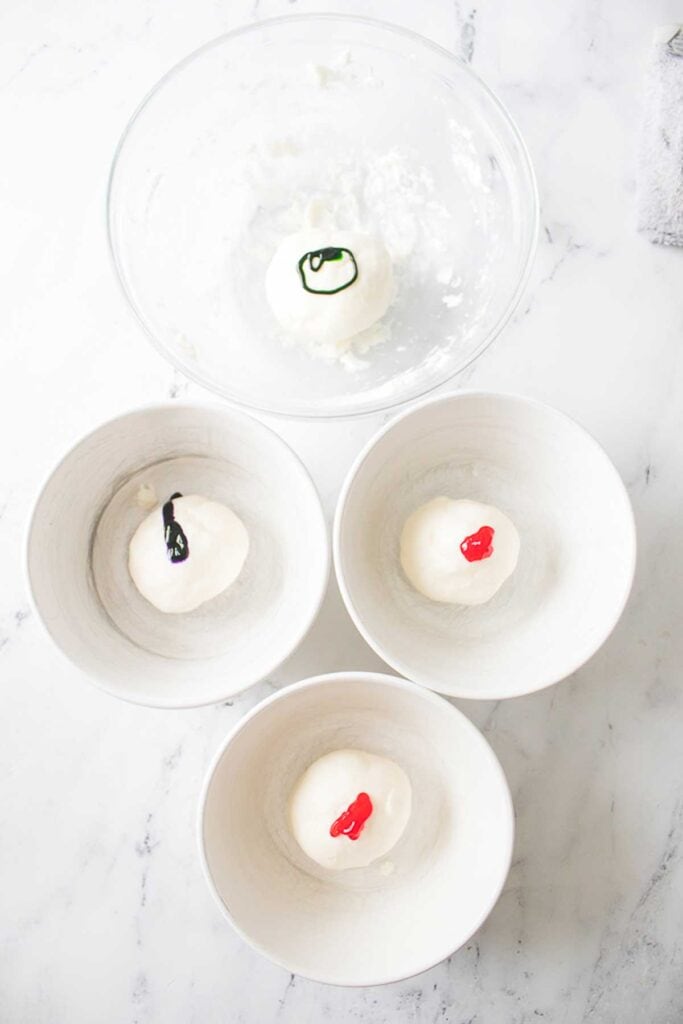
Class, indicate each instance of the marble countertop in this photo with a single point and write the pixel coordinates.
(104, 915)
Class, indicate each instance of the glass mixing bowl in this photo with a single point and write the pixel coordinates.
(377, 127)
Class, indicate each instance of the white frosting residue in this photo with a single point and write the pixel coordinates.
(146, 496)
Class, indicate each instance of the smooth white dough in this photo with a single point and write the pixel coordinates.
(435, 565)
(328, 787)
(218, 543)
(327, 319)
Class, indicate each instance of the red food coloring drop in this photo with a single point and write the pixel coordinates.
(478, 545)
(351, 822)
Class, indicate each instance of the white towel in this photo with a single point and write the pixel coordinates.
(660, 185)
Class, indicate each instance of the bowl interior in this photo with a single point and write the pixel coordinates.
(366, 925)
(82, 587)
(393, 134)
(577, 545)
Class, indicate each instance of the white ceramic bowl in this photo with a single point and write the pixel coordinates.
(77, 555)
(575, 521)
(358, 927)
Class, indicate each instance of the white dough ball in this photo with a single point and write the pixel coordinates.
(329, 787)
(217, 545)
(458, 552)
(325, 286)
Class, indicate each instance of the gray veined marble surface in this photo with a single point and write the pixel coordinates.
(104, 915)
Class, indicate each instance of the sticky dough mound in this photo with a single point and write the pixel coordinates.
(218, 543)
(324, 286)
(432, 558)
(328, 787)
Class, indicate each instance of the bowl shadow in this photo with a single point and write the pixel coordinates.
(333, 644)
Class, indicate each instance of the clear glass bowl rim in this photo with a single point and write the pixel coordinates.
(380, 406)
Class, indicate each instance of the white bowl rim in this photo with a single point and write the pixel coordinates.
(202, 405)
(397, 682)
(464, 692)
(383, 405)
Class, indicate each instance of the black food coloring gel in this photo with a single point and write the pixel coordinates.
(317, 259)
(176, 542)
